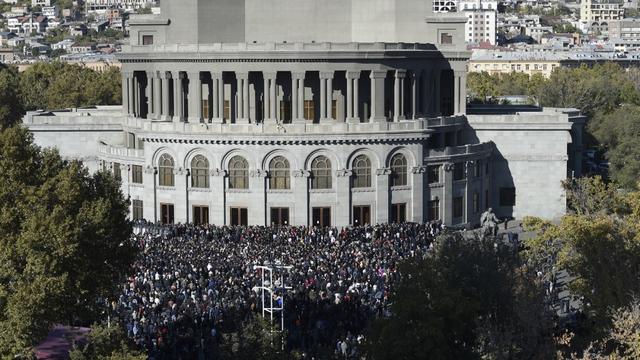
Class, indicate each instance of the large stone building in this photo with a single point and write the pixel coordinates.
(323, 112)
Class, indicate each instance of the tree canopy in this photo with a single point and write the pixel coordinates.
(63, 236)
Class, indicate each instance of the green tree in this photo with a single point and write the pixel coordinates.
(619, 133)
(106, 343)
(600, 248)
(469, 298)
(10, 101)
(64, 239)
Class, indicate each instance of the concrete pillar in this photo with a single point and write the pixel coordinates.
(195, 97)
(178, 98)
(349, 98)
(301, 97)
(218, 98)
(463, 93)
(301, 190)
(342, 211)
(398, 95)
(330, 98)
(242, 110)
(377, 96)
(414, 95)
(417, 194)
(166, 96)
(149, 202)
(157, 95)
(446, 203)
(273, 99)
(356, 98)
(127, 96)
(382, 195)
(125, 92)
(323, 97)
(294, 98)
(150, 95)
(136, 96)
(456, 93)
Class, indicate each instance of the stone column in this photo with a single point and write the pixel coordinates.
(157, 95)
(149, 202)
(258, 186)
(294, 98)
(273, 99)
(382, 195)
(417, 194)
(195, 97)
(377, 96)
(456, 93)
(150, 95)
(136, 96)
(398, 95)
(323, 96)
(349, 99)
(178, 98)
(301, 192)
(265, 98)
(463, 93)
(242, 111)
(447, 195)
(166, 96)
(125, 92)
(356, 98)
(343, 198)
(330, 97)
(414, 95)
(217, 98)
(301, 97)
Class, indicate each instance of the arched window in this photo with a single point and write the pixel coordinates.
(165, 171)
(279, 173)
(321, 173)
(238, 173)
(200, 172)
(398, 170)
(361, 172)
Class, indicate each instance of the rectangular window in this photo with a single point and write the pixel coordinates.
(117, 171)
(399, 213)
(458, 207)
(477, 170)
(205, 109)
(433, 174)
(137, 210)
(434, 210)
(285, 111)
(136, 174)
(446, 39)
(334, 109)
(239, 216)
(147, 39)
(227, 110)
(279, 216)
(321, 216)
(309, 110)
(508, 196)
(166, 213)
(458, 171)
(361, 215)
(200, 215)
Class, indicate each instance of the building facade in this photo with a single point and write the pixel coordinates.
(481, 20)
(231, 117)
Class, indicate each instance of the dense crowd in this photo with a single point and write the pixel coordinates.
(191, 284)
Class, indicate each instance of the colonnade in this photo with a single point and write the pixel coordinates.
(233, 97)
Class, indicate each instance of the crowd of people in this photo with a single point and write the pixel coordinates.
(192, 284)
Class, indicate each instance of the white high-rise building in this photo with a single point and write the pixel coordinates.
(481, 20)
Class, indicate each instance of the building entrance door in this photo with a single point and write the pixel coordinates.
(166, 213)
(361, 215)
(200, 215)
(321, 216)
(239, 216)
(279, 216)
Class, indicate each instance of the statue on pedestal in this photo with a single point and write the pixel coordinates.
(489, 222)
